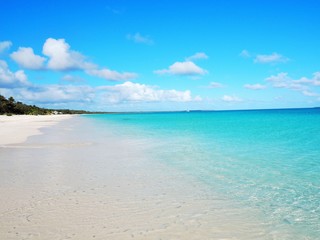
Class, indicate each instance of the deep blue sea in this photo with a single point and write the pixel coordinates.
(268, 160)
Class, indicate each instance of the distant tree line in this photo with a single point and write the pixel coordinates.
(11, 107)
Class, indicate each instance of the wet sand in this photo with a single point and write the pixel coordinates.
(77, 181)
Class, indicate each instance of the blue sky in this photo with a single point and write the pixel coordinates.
(161, 55)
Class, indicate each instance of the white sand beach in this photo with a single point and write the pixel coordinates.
(17, 128)
(77, 181)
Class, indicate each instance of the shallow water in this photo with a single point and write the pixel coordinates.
(91, 179)
(266, 161)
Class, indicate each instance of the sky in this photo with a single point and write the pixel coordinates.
(124, 55)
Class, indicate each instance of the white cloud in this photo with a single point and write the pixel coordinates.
(303, 80)
(272, 58)
(316, 76)
(111, 75)
(316, 79)
(282, 80)
(199, 55)
(56, 94)
(61, 58)
(5, 45)
(215, 85)
(138, 38)
(136, 92)
(127, 92)
(245, 54)
(264, 58)
(228, 98)
(310, 94)
(255, 86)
(187, 68)
(303, 85)
(10, 79)
(280, 77)
(26, 58)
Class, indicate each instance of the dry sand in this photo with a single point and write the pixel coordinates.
(77, 181)
(17, 128)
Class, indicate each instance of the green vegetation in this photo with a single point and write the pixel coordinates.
(11, 107)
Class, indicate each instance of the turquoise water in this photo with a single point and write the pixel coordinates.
(268, 160)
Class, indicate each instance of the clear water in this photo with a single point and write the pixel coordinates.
(268, 160)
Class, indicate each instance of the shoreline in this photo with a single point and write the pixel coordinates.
(79, 173)
(18, 128)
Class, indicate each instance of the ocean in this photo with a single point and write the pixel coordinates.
(266, 161)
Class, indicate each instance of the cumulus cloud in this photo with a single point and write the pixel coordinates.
(303, 85)
(127, 92)
(228, 98)
(136, 92)
(45, 94)
(215, 85)
(282, 80)
(186, 68)
(199, 55)
(5, 45)
(26, 58)
(111, 75)
(62, 58)
(10, 79)
(138, 38)
(255, 86)
(280, 77)
(316, 79)
(272, 58)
